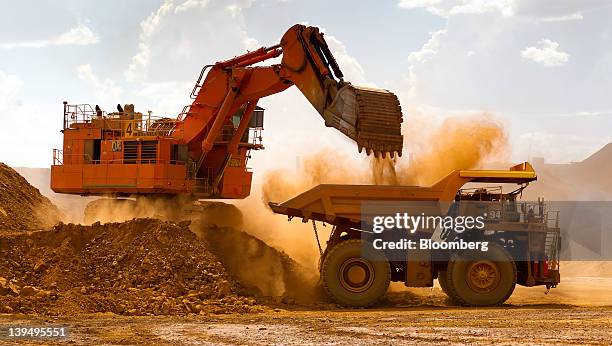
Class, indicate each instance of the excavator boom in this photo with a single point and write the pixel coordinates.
(371, 117)
(204, 152)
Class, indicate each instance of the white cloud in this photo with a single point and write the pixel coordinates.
(251, 43)
(166, 98)
(429, 49)
(564, 18)
(350, 67)
(148, 27)
(10, 87)
(105, 90)
(79, 35)
(447, 8)
(187, 33)
(544, 10)
(25, 120)
(504, 7)
(190, 4)
(421, 57)
(547, 53)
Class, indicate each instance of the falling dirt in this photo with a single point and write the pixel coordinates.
(457, 143)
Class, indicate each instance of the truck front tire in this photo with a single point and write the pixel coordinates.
(477, 278)
(442, 282)
(354, 274)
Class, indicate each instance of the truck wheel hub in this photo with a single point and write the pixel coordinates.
(483, 276)
(356, 275)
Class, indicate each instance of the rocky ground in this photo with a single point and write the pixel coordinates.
(146, 281)
(552, 324)
(139, 267)
(142, 266)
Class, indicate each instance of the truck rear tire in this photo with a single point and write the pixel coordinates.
(477, 278)
(351, 277)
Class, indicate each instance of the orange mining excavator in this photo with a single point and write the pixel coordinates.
(203, 153)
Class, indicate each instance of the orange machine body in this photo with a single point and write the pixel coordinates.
(115, 155)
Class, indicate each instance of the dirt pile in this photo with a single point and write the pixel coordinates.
(139, 267)
(22, 207)
(260, 268)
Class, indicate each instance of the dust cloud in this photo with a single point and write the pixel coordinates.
(456, 143)
(295, 238)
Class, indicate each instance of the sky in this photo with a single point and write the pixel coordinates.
(543, 68)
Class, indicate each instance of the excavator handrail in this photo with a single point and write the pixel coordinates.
(197, 86)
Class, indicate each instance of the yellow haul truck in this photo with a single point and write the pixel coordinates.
(522, 238)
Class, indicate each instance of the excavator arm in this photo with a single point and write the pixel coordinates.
(205, 152)
(371, 117)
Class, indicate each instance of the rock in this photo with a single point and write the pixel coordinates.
(165, 308)
(187, 306)
(223, 288)
(83, 290)
(184, 223)
(288, 300)
(7, 309)
(43, 294)
(14, 289)
(27, 291)
(163, 238)
(3, 286)
(40, 266)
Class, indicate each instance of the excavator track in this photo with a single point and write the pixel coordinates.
(371, 117)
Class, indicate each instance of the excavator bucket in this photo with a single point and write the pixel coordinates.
(371, 117)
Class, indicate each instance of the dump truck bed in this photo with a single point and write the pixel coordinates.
(336, 203)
